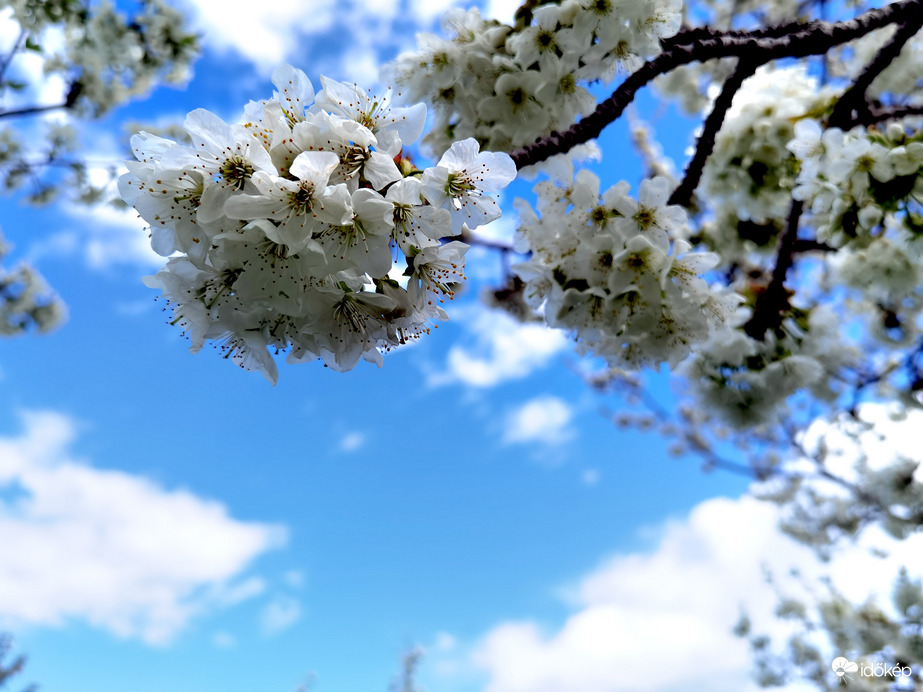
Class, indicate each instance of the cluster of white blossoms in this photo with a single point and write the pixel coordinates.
(111, 56)
(750, 174)
(615, 272)
(854, 182)
(298, 232)
(862, 191)
(25, 299)
(748, 380)
(507, 86)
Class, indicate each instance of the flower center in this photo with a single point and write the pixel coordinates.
(568, 84)
(645, 218)
(301, 199)
(235, 170)
(354, 159)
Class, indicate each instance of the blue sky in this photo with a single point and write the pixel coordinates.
(169, 521)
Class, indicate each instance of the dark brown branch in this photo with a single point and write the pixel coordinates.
(853, 100)
(682, 195)
(770, 306)
(809, 245)
(759, 47)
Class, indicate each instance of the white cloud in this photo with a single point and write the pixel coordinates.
(543, 419)
(352, 441)
(266, 33)
(502, 10)
(425, 11)
(115, 236)
(661, 621)
(281, 31)
(103, 235)
(505, 349)
(112, 549)
(279, 614)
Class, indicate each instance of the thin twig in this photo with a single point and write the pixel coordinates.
(13, 51)
(682, 195)
(879, 114)
(760, 47)
(472, 239)
(31, 110)
(810, 245)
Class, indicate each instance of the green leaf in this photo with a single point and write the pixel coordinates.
(31, 44)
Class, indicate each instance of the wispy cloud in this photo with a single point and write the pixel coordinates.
(279, 614)
(545, 419)
(504, 349)
(352, 441)
(590, 477)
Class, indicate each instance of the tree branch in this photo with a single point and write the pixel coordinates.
(32, 110)
(767, 313)
(759, 47)
(472, 239)
(682, 195)
(811, 245)
(853, 100)
(879, 114)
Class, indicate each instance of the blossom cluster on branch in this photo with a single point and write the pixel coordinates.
(616, 272)
(507, 86)
(299, 232)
